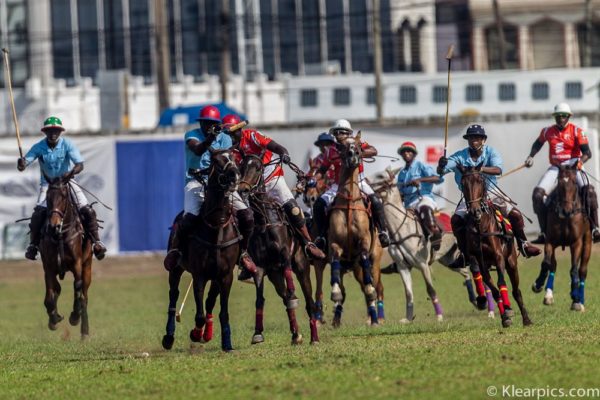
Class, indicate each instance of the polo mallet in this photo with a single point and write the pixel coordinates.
(512, 171)
(449, 58)
(237, 126)
(178, 313)
(12, 100)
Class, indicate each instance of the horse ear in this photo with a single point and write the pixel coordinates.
(478, 168)
(358, 136)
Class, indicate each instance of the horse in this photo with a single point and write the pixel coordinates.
(210, 253)
(567, 225)
(352, 240)
(489, 244)
(409, 248)
(65, 247)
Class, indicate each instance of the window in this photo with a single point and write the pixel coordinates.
(341, 96)
(474, 93)
(506, 92)
(62, 39)
(371, 95)
(573, 90)
(308, 98)
(539, 91)
(408, 94)
(439, 94)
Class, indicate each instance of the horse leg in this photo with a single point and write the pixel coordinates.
(585, 258)
(52, 293)
(87, 281)
(487, 279)
(468, 283)
(490, 302)
(549, 296)
(481, 299)
(225, 288)
(408, 292)
(380, 309)
(291, 299)
(513, 274)
(576, 250)
(211, 300)
(319, 270)
(259, 283)
(336, 278)
(77, 289)
(426, 271)
(199, 283)
(278, 280)
(174, 279)
(303, 274)
(544, 269)
(506, 313)
(367, 285)
(339, 305)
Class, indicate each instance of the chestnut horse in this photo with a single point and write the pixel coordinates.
(353, 242)
(210, 253)
(488, 244)
(276, 252)
(64, 247)
(567, 225)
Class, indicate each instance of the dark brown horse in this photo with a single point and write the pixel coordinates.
(65, 248)
(277, 252)
(567, 225)
(210, 253)
(489, 245)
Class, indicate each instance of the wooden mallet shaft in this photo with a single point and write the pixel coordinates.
(449, 58)
(12, 100)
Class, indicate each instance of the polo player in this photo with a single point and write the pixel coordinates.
(569, 145)
(58, 158)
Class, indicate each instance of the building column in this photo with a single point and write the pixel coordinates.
(479, 50)
(572, 51)
(525, 53)
(347, 38)
(406, 47)
(40, 51)
(427, 50)
(323, 31)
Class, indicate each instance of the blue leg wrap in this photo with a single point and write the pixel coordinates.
(470, 290)
(336, 268)
(550, 282)
(380, 312)
(372, 314)
(581, 292)
(226, 337)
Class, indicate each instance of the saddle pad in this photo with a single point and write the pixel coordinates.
(443, 221)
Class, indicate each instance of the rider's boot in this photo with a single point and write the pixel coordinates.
(35, 226)
(294, 214)
(320, 219)
(179, 234)
(592, 210)
(90, 224)
(245, 220)
(390, 269)
(540, 210)
(460, 233)
(435, 234)
(518, 227)
(379, 218)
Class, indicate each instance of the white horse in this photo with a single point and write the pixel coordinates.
(409, 247)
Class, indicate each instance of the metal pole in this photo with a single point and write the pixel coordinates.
(449, 58)
(224, 69)
(377, 61)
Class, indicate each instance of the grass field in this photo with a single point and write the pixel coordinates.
(458, 358)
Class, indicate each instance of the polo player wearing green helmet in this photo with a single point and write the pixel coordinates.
(58, 157)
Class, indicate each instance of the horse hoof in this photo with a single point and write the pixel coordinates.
(167, 342)
(74, 319)
(258, 338)
(85, 337)
(381, 321)
(336, 323)
(527, 322)
(440, 318)
(297, 339)
(52, 326)
(53, 321)
(535, 289)
(509, 312)
(491, 315)
(506, 321)
(227, 349)
(292, 304)
(577, 307)
(481, 302)
(336, 293)
(196, 335)
(314, 342)
(548, 301)
(370, 293)
(405, 321)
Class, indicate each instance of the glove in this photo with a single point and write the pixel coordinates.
(285, 158)
(21, 164)
(442, 162)
(529, 162)
(414, 183)
(579, 165)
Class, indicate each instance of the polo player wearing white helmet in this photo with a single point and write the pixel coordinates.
(568, 145)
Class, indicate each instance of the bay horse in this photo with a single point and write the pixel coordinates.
(352, 239)
(567, 225)
(65, 247)
(276, 251)
(210, 253)
(409, 248)
(489, 245)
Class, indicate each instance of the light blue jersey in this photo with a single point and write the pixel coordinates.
(54, 162)
(416, 170)
(193, 161)
(489, 157)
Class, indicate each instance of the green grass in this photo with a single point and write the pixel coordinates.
(457, 358)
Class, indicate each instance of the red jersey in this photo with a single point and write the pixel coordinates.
(333, 162)
(565, 144)
(255, 143)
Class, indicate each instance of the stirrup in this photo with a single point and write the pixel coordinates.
(313, 251)
(596, 235)
(384, 239)
(246, 262)
(541, 239)
(321, 243)
(527, 250)
(99, 249)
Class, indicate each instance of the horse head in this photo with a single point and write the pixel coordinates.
(251, 175)
(473, 189)
(350, 152)
(382, 182)
(58, 201)
(223, 173)
(566, 189)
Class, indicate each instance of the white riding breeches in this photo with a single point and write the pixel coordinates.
(329, 195)
(193, 198)
(461, 208)
(79, 196)
(423, 201)
(278, 190)
(549, 180)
